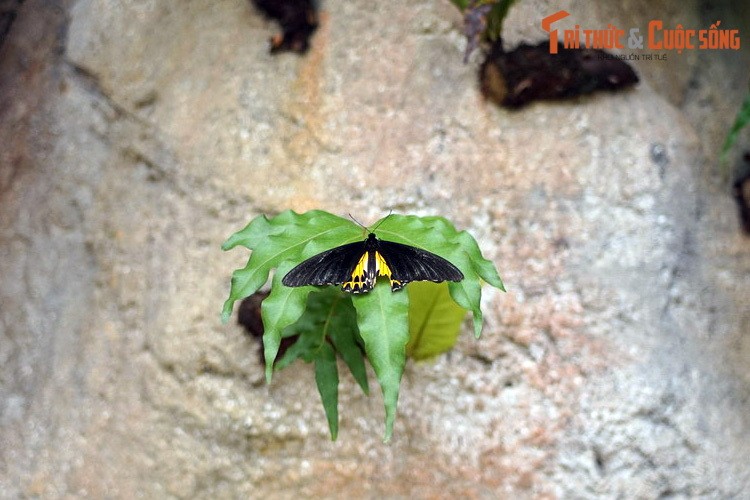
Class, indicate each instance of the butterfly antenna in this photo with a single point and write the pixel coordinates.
(358, 223)
(382, 220)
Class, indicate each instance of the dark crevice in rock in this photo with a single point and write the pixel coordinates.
(8, 14)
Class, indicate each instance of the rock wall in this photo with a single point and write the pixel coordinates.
(137, 137)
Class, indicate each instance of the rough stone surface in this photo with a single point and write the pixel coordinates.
(137, 136)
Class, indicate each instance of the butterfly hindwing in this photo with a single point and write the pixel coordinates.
(332, 267)
(407, 263)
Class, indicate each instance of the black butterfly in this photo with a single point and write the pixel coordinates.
(356, 266)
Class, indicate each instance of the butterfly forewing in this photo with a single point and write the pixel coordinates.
(409, 263)
(332, 267)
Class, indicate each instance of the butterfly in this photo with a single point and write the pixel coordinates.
(357, 266)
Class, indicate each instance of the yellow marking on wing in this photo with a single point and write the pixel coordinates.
(382, 269)
(381, 266)
(358, 275)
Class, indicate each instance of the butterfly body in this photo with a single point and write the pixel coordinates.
(357, 266)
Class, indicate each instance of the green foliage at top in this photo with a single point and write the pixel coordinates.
(324, 317)
(494, 18)
(740, 122)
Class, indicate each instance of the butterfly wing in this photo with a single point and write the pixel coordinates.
(357, 265)
(332, 267)
(405, 263)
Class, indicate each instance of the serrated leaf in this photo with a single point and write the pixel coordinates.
(483, 267)
(309, 328)
(257, 229)
(328, 314)
(383, 324)
(468, 294)
(439, 236)
(343, 333)
(327, 380)
(434, 319)
(281, 308)
(302, 348)
(287, 237)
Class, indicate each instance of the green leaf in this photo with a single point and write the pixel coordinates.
(383, 324)
(496, 17)
(257, 229)
(343, 333)
(483, 267)
(303, 348)
(439, 236)
(434, 319)
(740, 122)
(309, 328)
(287, 237)
(327, 380)
(328, 314)
(468, 294)
(281, 308)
